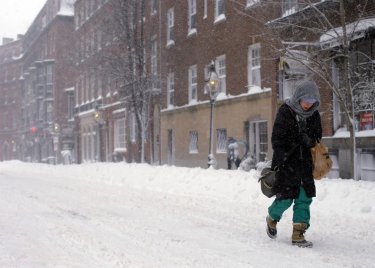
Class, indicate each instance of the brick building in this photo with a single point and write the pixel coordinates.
(193, 34)
(104, 123)
(48, 72)
(10, 100)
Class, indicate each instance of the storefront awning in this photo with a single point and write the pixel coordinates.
(355, 30)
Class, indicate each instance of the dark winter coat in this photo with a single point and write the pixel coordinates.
(292, 157)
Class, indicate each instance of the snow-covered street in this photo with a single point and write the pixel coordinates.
(132, 215)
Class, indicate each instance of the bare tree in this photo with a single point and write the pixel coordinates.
(126, 63)
(322, 37)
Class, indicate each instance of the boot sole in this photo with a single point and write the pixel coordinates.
(303, 244)
(270, 235)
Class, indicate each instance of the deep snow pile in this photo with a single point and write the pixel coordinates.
(133, 215)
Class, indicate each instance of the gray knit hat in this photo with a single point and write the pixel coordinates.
(307, 91)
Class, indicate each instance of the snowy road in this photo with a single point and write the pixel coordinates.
(116, 215)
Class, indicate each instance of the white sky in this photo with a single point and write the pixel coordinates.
(17, 15)
(132, 215)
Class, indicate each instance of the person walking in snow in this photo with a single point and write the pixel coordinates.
(296, 129)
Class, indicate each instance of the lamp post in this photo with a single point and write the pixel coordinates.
(211, 88)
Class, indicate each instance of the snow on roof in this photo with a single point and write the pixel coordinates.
(69, 89)
(252, 90)
(354, 31)
(66, 8)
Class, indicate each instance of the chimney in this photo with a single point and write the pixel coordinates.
(7, 40)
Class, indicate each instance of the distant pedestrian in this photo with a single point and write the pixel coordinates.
(295, 131)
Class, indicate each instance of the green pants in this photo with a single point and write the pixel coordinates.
(301, 208)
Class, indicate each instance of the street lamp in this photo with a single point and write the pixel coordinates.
(211, 88)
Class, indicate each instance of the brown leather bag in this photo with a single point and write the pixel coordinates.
(321, 160)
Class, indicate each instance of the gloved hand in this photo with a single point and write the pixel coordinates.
(306, 141)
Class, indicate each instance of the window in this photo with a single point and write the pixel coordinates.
(154, 63)
(93, 42)
(70, 106)
(289, 7)
(49, 74)
(41, 75)
(254, 65)
(221, 140)
(193, 84)
(100, 83)
(154, 6)
(258, 145)
(170, 29)
(205, 9)
(98, 39)
(120, 143)
(193, 142)
(133, 128)
(192, 15)
(92, 85)
(251, 2)
(49, 111)
(87, 87)
(219, 10)
(221, 72)
(170, 92)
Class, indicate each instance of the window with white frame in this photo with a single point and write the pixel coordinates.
(154, 63)
(251, 2)
(221, 140)
(170, 91)
(192, 15)
(193, 84)
(289, 7)
(258, 145)
(119, 129)
(221, 72)
(133, 128)
(219, 9)
(193, 142)
(170, 26)
(254, 65)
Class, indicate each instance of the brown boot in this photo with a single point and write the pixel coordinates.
(298, 238)
(271, 227)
